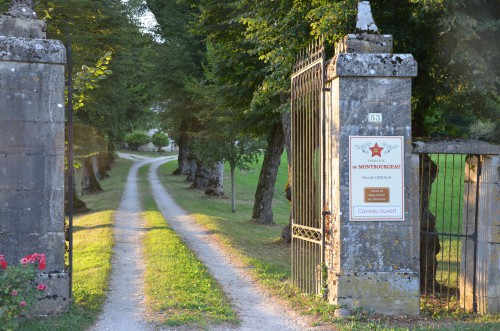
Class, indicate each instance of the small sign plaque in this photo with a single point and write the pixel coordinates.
(376, 178)
(375, 117)
(377, 194)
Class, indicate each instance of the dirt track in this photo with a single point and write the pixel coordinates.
(124, 309)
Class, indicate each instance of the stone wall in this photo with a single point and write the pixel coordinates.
(32, 152)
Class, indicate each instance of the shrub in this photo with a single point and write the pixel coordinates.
(18, 288)
(160, 139)
(482, 130)
(135, 139)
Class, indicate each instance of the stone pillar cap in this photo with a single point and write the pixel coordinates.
(365, 41)
(365, 21)
(21, 21)
(22, 8)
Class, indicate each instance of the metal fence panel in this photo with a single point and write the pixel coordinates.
(448, 216)
(307, 165)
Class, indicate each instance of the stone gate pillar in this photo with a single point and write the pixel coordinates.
(372, 236)
(32, 148)
(483, 295)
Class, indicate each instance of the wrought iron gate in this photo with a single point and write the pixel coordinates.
(449, 204)
(307, 139)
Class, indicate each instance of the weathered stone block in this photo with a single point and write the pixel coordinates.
(372, 65)
(385, 305)
(31, 93)
(35, 135)
(492, 304)
(393, 251)
(457, 146)
(14, 212)
(15, 246)
(30, 168)
(383, 292)
(488, 233)
(56, 298)
(365, 43)
(32, 50)
(26, 28)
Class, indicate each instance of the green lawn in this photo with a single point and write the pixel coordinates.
(447, 204)
(447, 194)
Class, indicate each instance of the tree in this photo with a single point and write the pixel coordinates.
(136, 138)
(160, 140)
(97, 28)
(234, 73)
(178, 59)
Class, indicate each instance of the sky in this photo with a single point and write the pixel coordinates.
(147, 20)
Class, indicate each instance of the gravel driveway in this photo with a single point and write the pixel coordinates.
(124, 308)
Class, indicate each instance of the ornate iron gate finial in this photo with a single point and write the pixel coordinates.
(22, 8)
(365, 21)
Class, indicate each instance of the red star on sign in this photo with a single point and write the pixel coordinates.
(376, 150)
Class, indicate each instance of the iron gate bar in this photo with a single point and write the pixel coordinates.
(307, 161)
(455, 227)
(476, 215)
(69, 64)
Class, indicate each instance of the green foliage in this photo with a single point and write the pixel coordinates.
(136, 139)
(18, 289)
(160, 140)
(4, 5)
(177, 60)
(96, 28)
(482, 130)
(88, 79)
(456, 46)
(88, 142)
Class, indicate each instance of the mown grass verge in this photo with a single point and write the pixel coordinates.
(92, 249)
(260, 247)
(179, 289)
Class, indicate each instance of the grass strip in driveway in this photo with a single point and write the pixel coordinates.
(179, 288)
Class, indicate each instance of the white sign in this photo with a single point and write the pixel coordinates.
(376, 178)
(375, 117)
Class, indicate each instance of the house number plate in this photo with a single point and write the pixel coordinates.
(375, 117)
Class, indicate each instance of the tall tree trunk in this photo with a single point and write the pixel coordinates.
(201, 176)
(286, 234)
(429, 241)
(193, 166)
(110, 155)
(90, 185)
(262, 208)
(233, 191)
(78, 205)
(102, 165)
(215, 185)
(182, 158)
